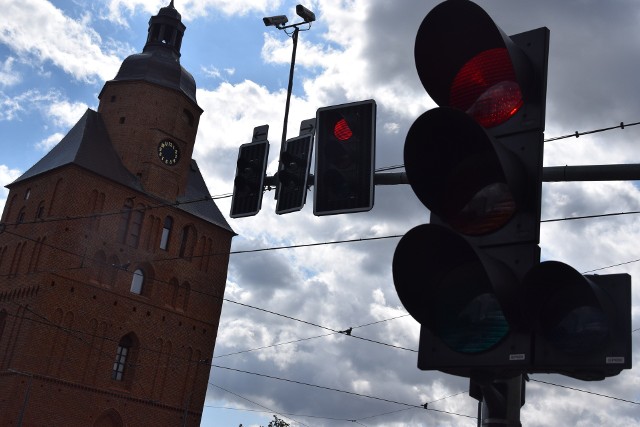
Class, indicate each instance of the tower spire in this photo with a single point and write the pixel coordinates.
(166, 31)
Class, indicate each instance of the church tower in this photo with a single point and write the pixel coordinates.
(113, 259)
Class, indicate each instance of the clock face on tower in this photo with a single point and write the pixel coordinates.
(168, 152)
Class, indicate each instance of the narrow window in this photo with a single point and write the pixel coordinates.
(20, 218)
(137, 282)
(136, 225)
(40, 210)
(188, 242)
(166, 232)
(125, 216)
(27, 194)
(119, 365)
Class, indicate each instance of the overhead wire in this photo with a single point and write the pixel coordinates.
(72, 333)
(253, 402)
(585, 391)
(353, 393)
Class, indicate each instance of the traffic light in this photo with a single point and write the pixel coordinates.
(581, 324)
(345, 158)
(250, 172)
(472, 277)
(475, 162)
(293, 171)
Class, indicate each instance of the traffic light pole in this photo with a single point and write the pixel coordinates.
(499, 400)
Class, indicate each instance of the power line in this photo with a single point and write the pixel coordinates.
(307, 339)
(586, 391)
(71, 332)
(251, 401)
(339, 390)
(577, 134)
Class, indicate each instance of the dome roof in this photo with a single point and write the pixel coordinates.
(160, 68)
(159, 62)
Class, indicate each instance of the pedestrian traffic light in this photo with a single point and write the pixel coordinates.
(250, 172)
(345, 158)
(475, 162)
(293, 172)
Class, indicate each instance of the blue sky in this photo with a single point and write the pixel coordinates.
(56, 55)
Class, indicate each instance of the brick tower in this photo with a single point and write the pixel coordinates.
(113, 259)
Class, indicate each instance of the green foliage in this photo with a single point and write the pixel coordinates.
(277, 422)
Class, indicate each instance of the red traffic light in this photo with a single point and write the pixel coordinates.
(465, 61)
(342, 131)
(345, 158)
(486, 88)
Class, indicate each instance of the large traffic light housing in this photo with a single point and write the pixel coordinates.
(345, 158)
(472, 277)
(250, 172)
(476, 163)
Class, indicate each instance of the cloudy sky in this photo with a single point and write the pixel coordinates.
(56, 55)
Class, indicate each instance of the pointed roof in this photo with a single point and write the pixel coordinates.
(87, 145)
(204, 207)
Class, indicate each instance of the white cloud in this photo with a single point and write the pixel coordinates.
(68, 44)
(7, 175)
(8, 76)
(189, 9)
(49, 142)
(65, 114)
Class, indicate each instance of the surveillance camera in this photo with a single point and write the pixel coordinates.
(305, 13)
(275, 20)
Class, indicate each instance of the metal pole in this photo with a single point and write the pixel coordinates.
(624, 172)
(501, 402)
(290, 88)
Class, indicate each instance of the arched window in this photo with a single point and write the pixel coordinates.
(135, 227)
(166, 232)
(40, 210)
(137, 282)
(20, 218)
(125, 216)
(125, 359)
(189, 238)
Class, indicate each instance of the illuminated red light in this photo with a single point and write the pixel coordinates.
(342, 131)
(486, 88)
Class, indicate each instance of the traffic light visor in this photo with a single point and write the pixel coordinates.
(568, 308)
(486, 88)
(465, 61)
(457, 172)
(446, 285)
